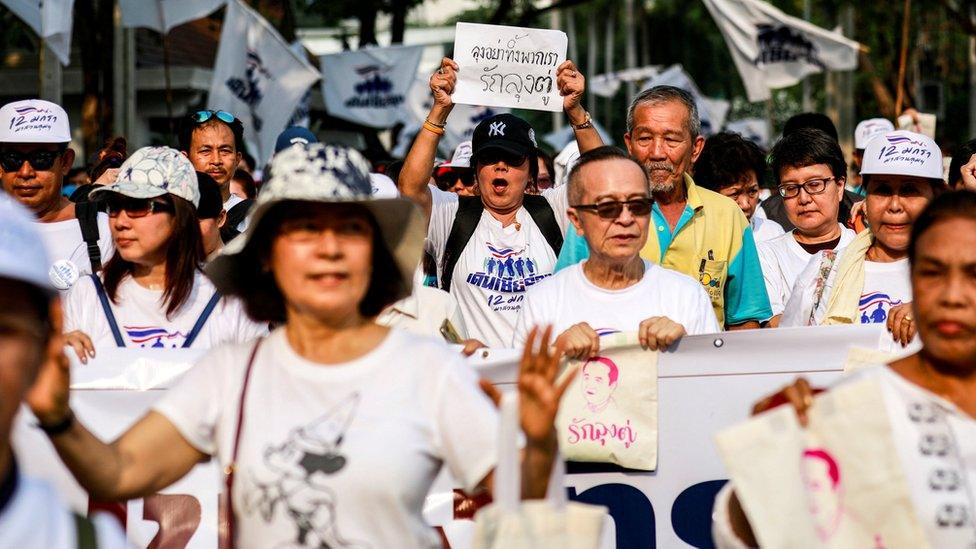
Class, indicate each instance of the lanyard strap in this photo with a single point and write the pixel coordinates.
(107, 309)
(192, 336)
(232, 466)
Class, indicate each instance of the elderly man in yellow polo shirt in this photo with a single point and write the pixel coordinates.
(694, 231)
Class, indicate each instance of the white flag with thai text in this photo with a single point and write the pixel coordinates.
(50, 19)
(257, 77)
(773, 50)
(163, 15)
(369, 86)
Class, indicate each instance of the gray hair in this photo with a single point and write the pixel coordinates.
(664, 94)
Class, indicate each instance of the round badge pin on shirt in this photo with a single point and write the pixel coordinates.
(64, 273)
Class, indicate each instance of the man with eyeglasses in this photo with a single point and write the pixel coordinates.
(614, 290)
(34, 160)
(810, 172)
(214, 143)
(694, 231)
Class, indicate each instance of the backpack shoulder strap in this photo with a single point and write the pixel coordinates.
(87, 214)
(192, 336)
(107, 309)
(541, 212)
(465, 222)
(85, 530)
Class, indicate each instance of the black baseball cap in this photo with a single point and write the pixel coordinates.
(506, 132)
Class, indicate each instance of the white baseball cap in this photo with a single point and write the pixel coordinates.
(155, 171)
(34, 121)
(902, 153)
(383, 186)
(869, 129)
(461, 158)
(23, 256)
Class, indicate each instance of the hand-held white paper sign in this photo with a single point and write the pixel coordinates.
(508, 66)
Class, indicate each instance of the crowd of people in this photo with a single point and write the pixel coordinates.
(325, 292)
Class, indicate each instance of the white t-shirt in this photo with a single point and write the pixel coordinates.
(63, 242)
(142, 317)
(935, 441)
(423, 313)
(783, 259)
(497, 265)
(35, 518)
(338, 455)
(568, 298)
(764, 229)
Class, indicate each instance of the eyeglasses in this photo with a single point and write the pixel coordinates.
(446, 177)
(135, 207)
(613, 208)
(494, 156)
(811, 186)
(11, 161)
(202, 116)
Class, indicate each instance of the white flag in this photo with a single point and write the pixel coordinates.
(162, 15)
(50, 19)
(257, 77)
(711, 111)
(369, 86)
(753, 129)
(773, 50)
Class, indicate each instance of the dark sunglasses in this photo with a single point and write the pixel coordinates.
(135, 207)
(202, 116)
(446, 177)
(613, 208)
(11, 161)
(494, 156)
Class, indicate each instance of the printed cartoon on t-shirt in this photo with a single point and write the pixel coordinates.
(874, 307)
(506, 273)
(296, 487)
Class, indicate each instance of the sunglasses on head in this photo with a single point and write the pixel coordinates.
(446, 177)
(202, 116)
(612, 209)
(11, 161)
(135, 207)
(494, 156)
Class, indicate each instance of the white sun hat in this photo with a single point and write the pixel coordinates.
(902, 152)
(34, 121)
(325, 174)
(869, 129)
(22, 253)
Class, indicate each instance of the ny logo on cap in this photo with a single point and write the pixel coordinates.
(496, 129)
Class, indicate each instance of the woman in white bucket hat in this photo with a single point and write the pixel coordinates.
(333, 428)
(868, 281)
(153, 293)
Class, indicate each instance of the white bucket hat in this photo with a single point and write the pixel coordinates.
(155, 171)
(34, 121)
(902, 153)
(867, 130)
(327, 174)
(22, 254)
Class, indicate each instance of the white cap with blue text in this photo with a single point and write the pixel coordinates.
(867, 130)
(22, 254)
(34, 121)
(902, 153)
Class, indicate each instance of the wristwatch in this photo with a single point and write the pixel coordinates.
(588, 123)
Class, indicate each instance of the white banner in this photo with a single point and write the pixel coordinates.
(711, 111)
(706, 384)
(369, 86)
(773, 50)
(50, 19)
(257, 77)
(753, 129)
(163, 15)
(512, 67)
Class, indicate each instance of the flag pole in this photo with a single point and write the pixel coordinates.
(903, 58)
